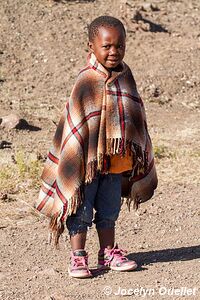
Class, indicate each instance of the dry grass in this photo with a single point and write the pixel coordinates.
(23, 173)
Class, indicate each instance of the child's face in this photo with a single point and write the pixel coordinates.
(109, 46)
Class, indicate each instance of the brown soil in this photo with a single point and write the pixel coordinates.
(43, 45)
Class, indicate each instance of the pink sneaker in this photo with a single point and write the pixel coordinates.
(114, 259)
(79, 264)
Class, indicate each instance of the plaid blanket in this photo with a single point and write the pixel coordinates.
(103, 116)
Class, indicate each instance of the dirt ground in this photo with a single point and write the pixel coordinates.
(43, 45)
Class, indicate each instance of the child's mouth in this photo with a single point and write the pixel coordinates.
(113, 61)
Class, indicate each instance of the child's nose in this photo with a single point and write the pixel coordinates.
(113, 50)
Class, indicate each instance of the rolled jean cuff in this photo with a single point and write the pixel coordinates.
(75, 231)
(104, 224)
(75, 226)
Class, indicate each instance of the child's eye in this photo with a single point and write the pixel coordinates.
(106, 46)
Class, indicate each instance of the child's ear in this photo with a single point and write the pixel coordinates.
(90, 46)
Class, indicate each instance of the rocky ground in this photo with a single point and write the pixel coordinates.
(43, 45)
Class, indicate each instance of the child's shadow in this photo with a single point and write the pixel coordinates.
(97, 272)
(165, 255)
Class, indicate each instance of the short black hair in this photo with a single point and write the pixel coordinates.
(105, 21)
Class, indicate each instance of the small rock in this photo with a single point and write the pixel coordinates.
(3, 196)
(154, 90)
(149, 7)
(141, 247)
(49, 272)
(144, 26)
(164, 99)
(11, 121)
(29, 279)
(5, 144)
(157, 281)
(146, 6)
(6, 197)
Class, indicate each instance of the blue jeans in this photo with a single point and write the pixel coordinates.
(104, 195)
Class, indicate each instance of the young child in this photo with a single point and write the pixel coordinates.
(102, 133)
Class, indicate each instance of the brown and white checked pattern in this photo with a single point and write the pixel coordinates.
(103, 115)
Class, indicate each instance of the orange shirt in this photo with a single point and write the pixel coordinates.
(119, 164)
